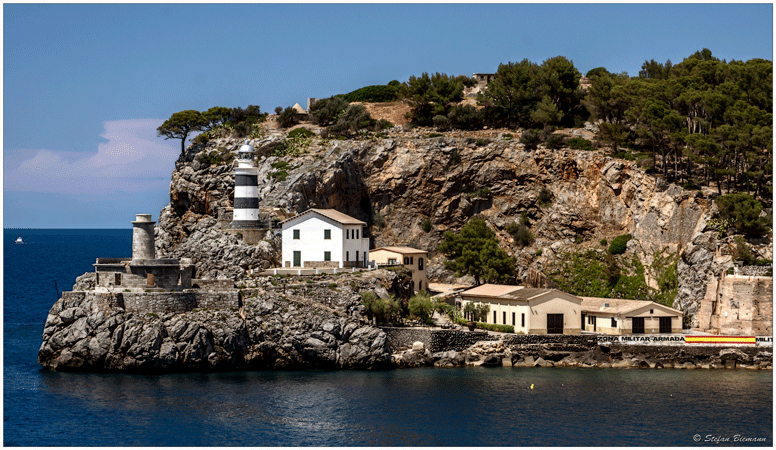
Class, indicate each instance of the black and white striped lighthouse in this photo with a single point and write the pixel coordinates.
(246, 190)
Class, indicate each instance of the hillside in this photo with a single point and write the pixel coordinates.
(413, 184)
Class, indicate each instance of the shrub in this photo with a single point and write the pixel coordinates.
(325, 111)
(300, 132)
(531, 139)
(539, 252)
(603, 242)
(578, 240)
(743, 212)
(433, 135)
(555, 141)
(482, 192)
(482, 142)
(579, 143)
(383, 310)
(742, 252)
(619, 244)
(426, 225)
(374, 94)
(544, 197)
(507, 136)
(288, 118)
(455, 157)
(464, 117)
(487, 326)
(441, 122)
(421, 306)
(520, 233)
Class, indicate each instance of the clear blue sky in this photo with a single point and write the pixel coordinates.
(85, 86)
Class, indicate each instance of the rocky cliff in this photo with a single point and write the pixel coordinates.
(410, 188)
(316, 324)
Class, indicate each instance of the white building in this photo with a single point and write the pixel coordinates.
(324, 238)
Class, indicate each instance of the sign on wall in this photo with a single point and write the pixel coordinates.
(686, 340)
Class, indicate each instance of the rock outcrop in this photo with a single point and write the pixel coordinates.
(307, 325)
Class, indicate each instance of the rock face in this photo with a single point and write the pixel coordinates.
(406, 183)
(312, 325)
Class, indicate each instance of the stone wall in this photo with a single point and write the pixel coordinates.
(445, 340)
(321, 264)
(402, 338)
(213, 285)
(220, 300)
(176, 302)
(737, 305)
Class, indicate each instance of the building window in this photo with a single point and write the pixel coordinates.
(412, 260)
(365, 258)
(420, 285)
(614, 322)
(347, 234)
(504, 318)
(651, 311)
(117, 280)
(356, 234)
(391, 261)
(296, 234)
(494, 317)
(513, 319)
(406, 260)
(420, 263)
(327, 234)
(522, 320)
(327, 256)
(347, 256)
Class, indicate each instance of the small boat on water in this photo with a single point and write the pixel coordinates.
(19, 240)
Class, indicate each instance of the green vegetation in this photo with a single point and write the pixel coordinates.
(383, 310)
(216, 120)
(375, 94)
(597, 274)
(579, 143)
(482, 192)
(742, 212)
(282, 169)
(520, 232)
(433, 95)
(288, 117)
(421, 307)
(487, 326)
(544, 197)
(530, 139)
(474, 251)
(619, 244)
(300, 132)
(343, 119)
(603, 242)
(426, 225)
(478, 312)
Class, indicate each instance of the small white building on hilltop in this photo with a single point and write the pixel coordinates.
(324, 238)
(412, 258)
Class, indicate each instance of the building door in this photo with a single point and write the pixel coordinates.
(297, 258)
(594, 323)
(665, 324)
(554, 323)
(638, 325)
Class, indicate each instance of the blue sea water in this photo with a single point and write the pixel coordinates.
(414, 407)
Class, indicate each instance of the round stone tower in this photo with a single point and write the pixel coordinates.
(143, 237)
(246, 190)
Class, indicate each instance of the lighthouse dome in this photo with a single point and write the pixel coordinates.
(246, 151)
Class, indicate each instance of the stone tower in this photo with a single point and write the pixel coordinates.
(143, 238)
(246, 190)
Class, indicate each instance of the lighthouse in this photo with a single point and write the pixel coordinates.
(246, 190)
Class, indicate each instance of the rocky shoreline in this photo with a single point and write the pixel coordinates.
(321, 324)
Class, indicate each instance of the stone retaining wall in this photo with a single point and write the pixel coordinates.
(213, 285)
(402, 338)
(175, 302)
(446, 340)
(220, 300)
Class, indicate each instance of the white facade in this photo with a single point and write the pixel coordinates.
(324, 238)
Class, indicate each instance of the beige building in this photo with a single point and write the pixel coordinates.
(617, 316)
(413, 259)
(528, 310)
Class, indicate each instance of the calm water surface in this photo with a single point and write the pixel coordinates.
(418, 407)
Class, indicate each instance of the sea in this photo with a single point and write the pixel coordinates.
(427, 407)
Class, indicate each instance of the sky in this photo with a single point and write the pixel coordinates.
(86, 85)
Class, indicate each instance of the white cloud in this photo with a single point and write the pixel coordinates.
(133, 160)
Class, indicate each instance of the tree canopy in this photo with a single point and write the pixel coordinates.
(180, 124)
(474, 251)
